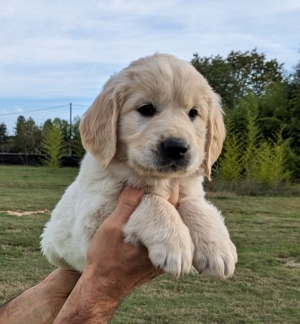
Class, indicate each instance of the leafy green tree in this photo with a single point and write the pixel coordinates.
(238, 74)
(47, 125)
(3, 136)
(296, 75)
(219, 75)
(27, 136)
(253, 72)
(261, 103)
(273, 109)
(293, 128)
(279, 109)
(53, 147)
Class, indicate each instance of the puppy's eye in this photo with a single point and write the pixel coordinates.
(147, 110)
(193, 113)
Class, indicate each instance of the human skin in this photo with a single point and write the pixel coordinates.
(113, 270)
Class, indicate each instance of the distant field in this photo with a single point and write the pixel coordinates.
(266, 231)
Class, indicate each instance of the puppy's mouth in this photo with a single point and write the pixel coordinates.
(166, 170)
(164, 164)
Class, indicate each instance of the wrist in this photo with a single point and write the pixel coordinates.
(108, 288)
(94, 298)
(50, 302)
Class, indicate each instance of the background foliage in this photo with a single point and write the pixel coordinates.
(262, 105)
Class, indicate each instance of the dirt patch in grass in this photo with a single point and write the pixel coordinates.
(292, 263)
(289, 262)
(24, 213)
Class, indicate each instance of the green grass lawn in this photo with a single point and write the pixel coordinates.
(264, 289)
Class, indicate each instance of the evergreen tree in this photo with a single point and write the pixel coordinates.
(53, 147)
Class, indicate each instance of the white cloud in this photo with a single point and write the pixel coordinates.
(59, 49)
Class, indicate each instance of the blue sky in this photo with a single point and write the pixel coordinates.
(57, 52)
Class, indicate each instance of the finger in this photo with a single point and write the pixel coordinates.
(174, 197)
(128, 200)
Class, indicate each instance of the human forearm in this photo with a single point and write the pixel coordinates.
(93, 300)
(34, 306)
(41, 303)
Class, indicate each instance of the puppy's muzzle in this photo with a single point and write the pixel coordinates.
(172, 155)
(174, 148)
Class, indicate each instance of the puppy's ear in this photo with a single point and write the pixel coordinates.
(98, 127)
(215, 134)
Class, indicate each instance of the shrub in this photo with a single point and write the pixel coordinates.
(270, 163)
(230, 162)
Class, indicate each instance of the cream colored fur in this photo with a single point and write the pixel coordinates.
(120, 145)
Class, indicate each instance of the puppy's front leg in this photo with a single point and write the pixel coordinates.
(157, 225)
(215, 254)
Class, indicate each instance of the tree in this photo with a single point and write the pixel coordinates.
(47, 124)
(296, 74)
(251, 134)
(231, 165)
(273, 109)
(3, 136)
(220, 77)
(293, 128)
(270, 164)
(27, 135)
(65, 129)
(253, 72)
(53, 147)
(238, 74)
(247, 154)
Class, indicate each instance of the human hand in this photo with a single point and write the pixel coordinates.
(116, 266)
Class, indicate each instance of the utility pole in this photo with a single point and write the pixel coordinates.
(70, 152)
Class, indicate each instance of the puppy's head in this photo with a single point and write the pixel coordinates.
(159, 116)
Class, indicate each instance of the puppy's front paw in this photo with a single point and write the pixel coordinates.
(171, 251)
(157, 225)
(174, 254)
(216, 258)
(215, 254)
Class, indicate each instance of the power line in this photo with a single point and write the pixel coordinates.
(25, 112)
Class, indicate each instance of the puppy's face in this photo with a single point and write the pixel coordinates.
(160, 116)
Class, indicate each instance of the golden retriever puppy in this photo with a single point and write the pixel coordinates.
(156, 124)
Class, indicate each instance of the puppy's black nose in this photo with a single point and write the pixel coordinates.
(175, 148)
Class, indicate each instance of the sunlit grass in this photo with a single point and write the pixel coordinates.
(264, 289)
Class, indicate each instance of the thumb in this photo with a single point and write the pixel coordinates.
(128, 200)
